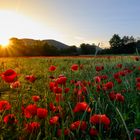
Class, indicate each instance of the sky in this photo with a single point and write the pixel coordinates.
(70, 21)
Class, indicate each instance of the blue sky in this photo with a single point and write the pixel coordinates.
(77, 21)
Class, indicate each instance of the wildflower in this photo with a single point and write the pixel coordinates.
(93, 132)
(99, 68)
(67, 90)
(108, 85)
(52, 85)
(119, 65)
(66, 132)
(74, 67)
(9, 76)
(137, 58)
(116, 75)
(78, 124)
(15, 84)
(4, 105)
(105, 120)
(30, 111)
(59, 132)
(104, 77)
(138, 86)
(10, 119)
(99, 118)
(119, 81)
(112, 95)
(35, 98)
(32, 127)
(52, 107)
(52, 68)
(30, 78)
(58, 97)
(97, 79)
(42, 113)
(82, 106)
(54, 120)
(119, 97)
(61, 80)
(57, 89)
(137, 131)
(138, 79)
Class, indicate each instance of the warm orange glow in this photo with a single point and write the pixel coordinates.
(4, 43)
(14, 24)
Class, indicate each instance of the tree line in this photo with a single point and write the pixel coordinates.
(124, 45)
(21, 47)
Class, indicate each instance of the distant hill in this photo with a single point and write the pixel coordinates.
(57, 44)
(51, 42)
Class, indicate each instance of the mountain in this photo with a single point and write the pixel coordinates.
(57, 44)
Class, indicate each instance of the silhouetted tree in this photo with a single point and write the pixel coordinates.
(50, 50)
(87, 48)
(116, 44)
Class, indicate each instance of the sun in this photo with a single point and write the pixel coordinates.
(4, 43)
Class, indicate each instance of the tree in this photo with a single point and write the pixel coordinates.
(87, 48)
(116, 43)
(50, 50)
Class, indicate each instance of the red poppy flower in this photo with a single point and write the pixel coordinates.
(67, 90)
(66, 131)
(104, 77)
(32, 127)
(137, 58)
(99, 68)
(42, 113)
(108, 85)
(9, 76)
(97, 79)
(54, 120)
(119, 65)
(78, 124)
(95, 119)
(138, 79)
(57, 89)
(82, 106)
(137, 132)
(99, 118)
(112, 95)
(15, 85)
(52, 107)
(4, 105)
(138, 86)
(119, 97)
(93, 132)
(52, 68)
(35, 98)
(61, 80)
(116, 75)
(58, 97)
(52, 85)
(30, 111)
(74, 67)
(59, 132)
(105, 120)
(30, 78)
(10, 119)
(119, 81)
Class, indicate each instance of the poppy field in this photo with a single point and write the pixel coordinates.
(81, 98)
